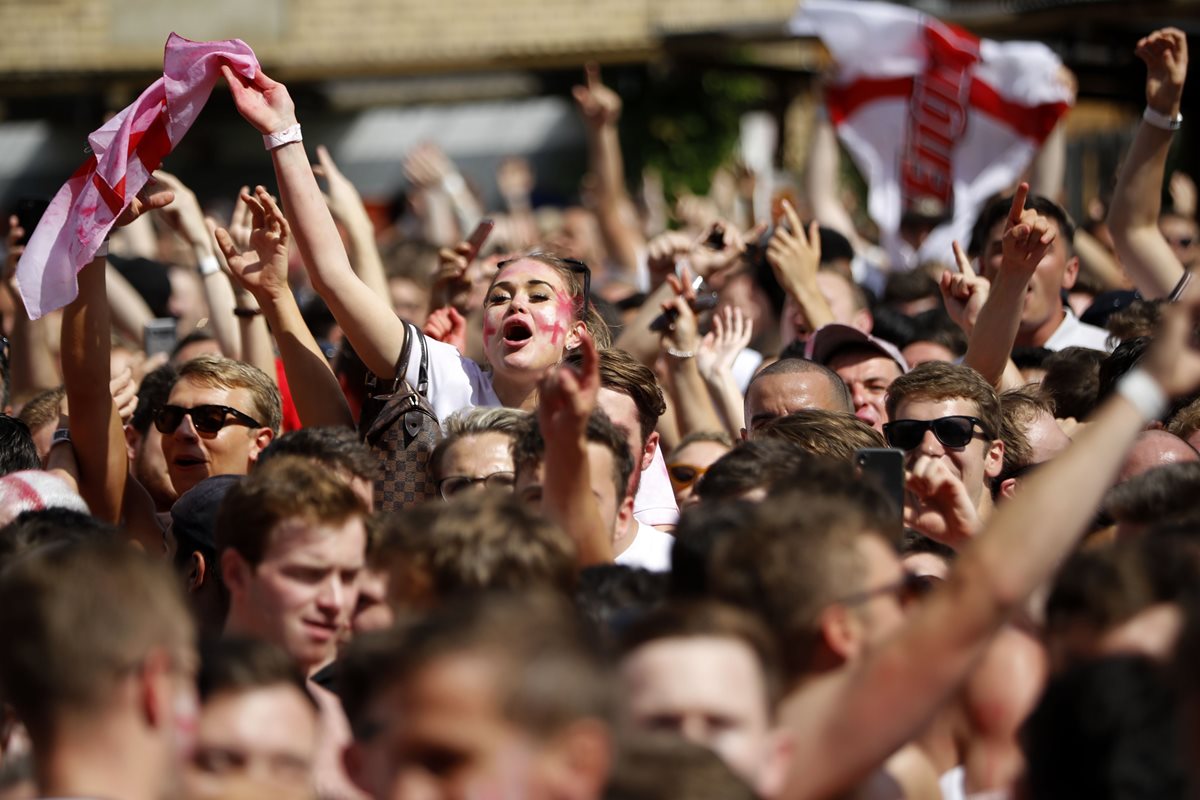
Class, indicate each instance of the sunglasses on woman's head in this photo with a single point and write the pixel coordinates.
(206, 418)
(580, 268)
(956, 431)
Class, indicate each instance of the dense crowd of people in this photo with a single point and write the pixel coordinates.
(535, 502)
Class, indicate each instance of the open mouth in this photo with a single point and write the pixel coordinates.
(188, 461)
(517, 331)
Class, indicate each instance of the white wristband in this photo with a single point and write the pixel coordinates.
(207, 265)
(1144, 393)
(285, 136)
(1161, 120)
(453, 183)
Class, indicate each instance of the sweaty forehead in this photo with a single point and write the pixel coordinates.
(193, 392)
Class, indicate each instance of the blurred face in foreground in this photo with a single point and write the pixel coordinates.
(266, 736)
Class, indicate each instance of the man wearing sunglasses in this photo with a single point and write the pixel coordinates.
(219, 416)
(946, 418)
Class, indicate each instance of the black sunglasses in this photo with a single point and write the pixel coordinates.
(206, 418)
(956, 431)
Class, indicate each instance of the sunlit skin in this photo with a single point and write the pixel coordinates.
(1042, 312)
(981, 459)
(192, 456)
(772, 396)
(707, 689)
(477, 456)
(528, 324)
(266, 734)
(304, 592)
(918, 353)
(868, 376)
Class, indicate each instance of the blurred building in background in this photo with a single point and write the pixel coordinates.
(490, 78)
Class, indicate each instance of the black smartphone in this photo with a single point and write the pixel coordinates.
(703, 302)
(29, 213)
(884, 465)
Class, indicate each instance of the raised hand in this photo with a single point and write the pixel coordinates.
(567, 397)
(793, 254)
(241, 222)
(262, 102)
(184, 215)
(124, 394)
(964, 293)
(343, 199)
(1183, 193)
(261, 269)
(598, 104)
(937, 504)
(681, 336)
(144, 203)
(663, 251)
(1165, 54)
(1027, 237)
(1173, 359)
(447, 325)
(731, 334)
(713, 263)
(426, 166)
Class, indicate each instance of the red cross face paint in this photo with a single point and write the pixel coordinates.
(527, 320)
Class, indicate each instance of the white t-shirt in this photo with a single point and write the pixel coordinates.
(651, 549)
(456, 382)
(1073, 333)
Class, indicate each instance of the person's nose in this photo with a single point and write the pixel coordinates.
(930, 446)
(331, 599)
(186, 430)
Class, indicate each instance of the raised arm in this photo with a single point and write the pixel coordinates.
(600, 107)
(366, 318)
(567, 400)
(262, 270)
(821, 181)
(1026, 239)
(94, 419)
(680, 344)
(718, 350)
(346, 206)
(187, 219)
(795, 257)
(1137, 201)
(31, 362)
(914, 673)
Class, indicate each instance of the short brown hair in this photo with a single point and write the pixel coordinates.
(548, 671)
(44, 407)
(1186, 420)
(624, 374)
(474, 422)
(941, 380)
(225, 373)
(75, 618)
(529, 447)
(1018, 409)
(833, 434)
(795, 557)
(481, 541)
(234, 664)
(286, 487)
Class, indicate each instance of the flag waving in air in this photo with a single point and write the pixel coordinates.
(936, 119)
(124, 151)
